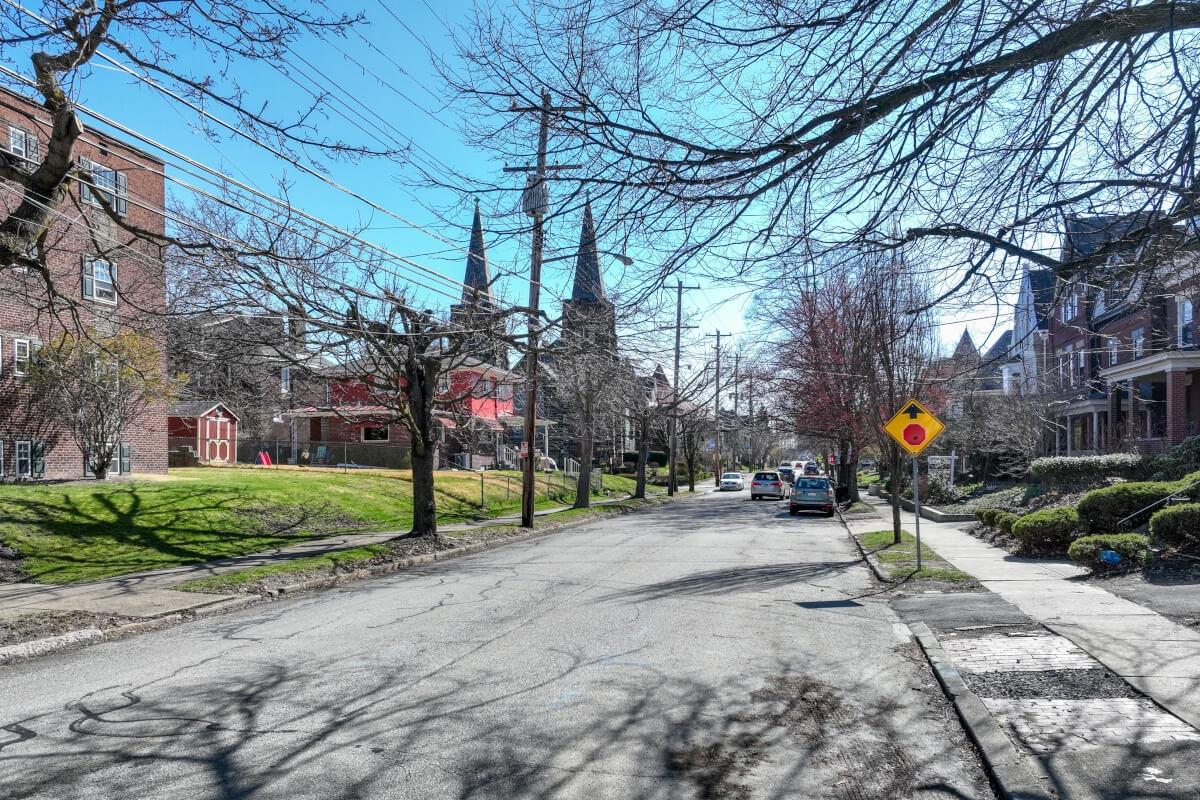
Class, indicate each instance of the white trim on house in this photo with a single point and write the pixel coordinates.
(1159, 362)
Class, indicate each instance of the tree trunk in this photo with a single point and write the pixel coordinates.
(424, 503)
(583, 486)
(639, 491)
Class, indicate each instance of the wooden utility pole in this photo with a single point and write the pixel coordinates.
(535, 201)
(717, 414)
(673, 478)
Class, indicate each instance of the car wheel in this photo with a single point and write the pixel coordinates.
(793, 511)
(753, 497)
(829, 513)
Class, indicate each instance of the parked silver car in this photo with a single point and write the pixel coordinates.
(768, 484)
(812, 494)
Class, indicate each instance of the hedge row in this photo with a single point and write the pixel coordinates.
(1075, 470)
(1124, 507)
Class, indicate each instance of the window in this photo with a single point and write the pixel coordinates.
(285, 380)
(1139, 342)
(1082, 367)
(1184, 322)
(485, 387)
(99, 280)
(1113, 355)
(23, 459)
(1070, 308)
(375, 434)
(504, 392)
(24, 144)
(443, 384)
(1066, 365)
(21, 356)
(113, 186)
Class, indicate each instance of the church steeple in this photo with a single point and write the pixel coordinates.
(477, 288)
(589, 285)
(478, 303)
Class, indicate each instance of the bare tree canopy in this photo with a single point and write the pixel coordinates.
(769, 129)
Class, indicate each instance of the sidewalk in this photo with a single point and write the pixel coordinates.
(150, 594)
(1154, 654)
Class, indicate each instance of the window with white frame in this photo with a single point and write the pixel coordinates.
(1082, 366)
(20, 356)
(379, 433)
(112, 184)
(1113, 354)
(24, 144)
(1066, 365)
(1183, 319)
(99, 280)
(1139, 342)
(285, 380)
(23, 459)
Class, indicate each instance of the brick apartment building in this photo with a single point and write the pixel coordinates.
(105, 279)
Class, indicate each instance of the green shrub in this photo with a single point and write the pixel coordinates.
(1178, 461)
(987, 515)
(1047, 532)
(1004, 520)
(937, 491)
(1075, 470)
(1124, 506)
(1091, 551)
(1177, 526)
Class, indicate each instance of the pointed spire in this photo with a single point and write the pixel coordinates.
(477, 284)
(589, 286)
(966, 347)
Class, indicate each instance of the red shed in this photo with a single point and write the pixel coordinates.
(208, 429)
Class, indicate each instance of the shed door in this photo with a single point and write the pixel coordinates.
(216, 447)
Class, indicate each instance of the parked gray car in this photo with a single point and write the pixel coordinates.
(812, 494)
(768, 484)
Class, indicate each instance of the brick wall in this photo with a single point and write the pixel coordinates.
(29, 311)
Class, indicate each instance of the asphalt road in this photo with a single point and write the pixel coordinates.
(715, 648)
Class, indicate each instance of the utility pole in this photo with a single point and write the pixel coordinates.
(717, 414)
(737, 420)
(673, 478)
(535, 201)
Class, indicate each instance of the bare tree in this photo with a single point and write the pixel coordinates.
(965, 130)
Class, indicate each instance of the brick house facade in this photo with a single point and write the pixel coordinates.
(106, 279)
(1124, 361)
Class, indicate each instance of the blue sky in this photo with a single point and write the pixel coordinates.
(410, 103)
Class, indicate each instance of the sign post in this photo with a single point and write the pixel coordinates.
(914, 428)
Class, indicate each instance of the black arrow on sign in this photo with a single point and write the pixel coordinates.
(912, 411)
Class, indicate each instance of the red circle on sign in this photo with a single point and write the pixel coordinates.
(914, 434)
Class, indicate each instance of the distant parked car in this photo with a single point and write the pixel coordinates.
(812, 494)
(732, 482)
(812, 468)
(768, 484)
(787, 473)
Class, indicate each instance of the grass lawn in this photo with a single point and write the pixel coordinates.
(901, 559)
(83, 531)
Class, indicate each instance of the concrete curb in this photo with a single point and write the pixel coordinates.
(24, 651)
(929, 512)
(1015, 776)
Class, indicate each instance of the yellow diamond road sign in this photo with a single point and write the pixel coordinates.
(914, 427)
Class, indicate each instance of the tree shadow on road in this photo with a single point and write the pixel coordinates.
(757, 577)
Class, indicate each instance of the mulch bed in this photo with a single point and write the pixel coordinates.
(44, 624)
(10, 565)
